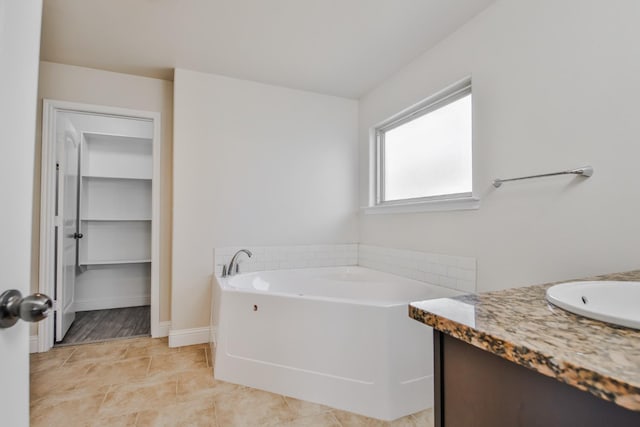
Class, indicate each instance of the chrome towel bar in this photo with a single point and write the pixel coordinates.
(585, 171)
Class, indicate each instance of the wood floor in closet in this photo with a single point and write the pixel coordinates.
(103, 325)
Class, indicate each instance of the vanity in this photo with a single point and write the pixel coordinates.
(510, 358)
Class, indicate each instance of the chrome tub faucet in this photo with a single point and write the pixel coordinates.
(233, 264)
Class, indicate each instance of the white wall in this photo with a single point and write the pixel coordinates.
(255, 165)
(555, 86)
(86, 85)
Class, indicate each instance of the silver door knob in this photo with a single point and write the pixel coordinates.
(32, 308)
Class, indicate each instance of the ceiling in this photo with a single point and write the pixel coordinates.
(337, 47)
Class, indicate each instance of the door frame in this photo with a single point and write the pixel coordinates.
(48, 198)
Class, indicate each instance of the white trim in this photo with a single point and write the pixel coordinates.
(182, 337)
(117, 302)
(163, 329)
(427, 105)
(444, 202)
(213, 335)
(47, 203)
(458, 204)
(155, 227)
(33, 344)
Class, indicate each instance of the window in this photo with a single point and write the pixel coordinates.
(424, 155)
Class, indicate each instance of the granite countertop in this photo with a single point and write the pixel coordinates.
(521, 326)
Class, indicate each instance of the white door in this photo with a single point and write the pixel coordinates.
(68, 232)
(20, 22)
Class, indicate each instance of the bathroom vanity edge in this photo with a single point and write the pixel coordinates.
(520, 326)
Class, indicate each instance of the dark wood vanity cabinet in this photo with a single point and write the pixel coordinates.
(475, 388)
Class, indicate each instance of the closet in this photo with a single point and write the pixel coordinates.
(104, 258)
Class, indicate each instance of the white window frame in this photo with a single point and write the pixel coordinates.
(458, 201)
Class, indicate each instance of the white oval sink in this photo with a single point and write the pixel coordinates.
(613, 302)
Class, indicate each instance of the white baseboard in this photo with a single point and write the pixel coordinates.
(163, 329)
(33, 344)
(182, 337)
(213, 335)
(117, 302)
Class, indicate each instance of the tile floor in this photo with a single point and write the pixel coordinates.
(143, 382)
(102, 325)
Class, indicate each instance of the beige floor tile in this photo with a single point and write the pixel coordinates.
(250, 407)
(101, 352)
(347, 419)
(66, 412)
(200, 383)
(135, 353)
(318, 420)
(193, 413)
(49, 360)
(158, 376)
(65, 388)
(120, 372)
(55, 352)
(182, 361)
(302, 408)
(127, 420)
(424, 418)
(191, 347)
(210, 356)
(36, 366)
(197, 349)
(146, 347)
(132, 398)
(143, 382)
(75, 369)
(145, 341)
(64, 380)
(408, 421)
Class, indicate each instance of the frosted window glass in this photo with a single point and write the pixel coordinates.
(430, 155)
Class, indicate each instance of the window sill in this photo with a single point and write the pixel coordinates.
(460, 204)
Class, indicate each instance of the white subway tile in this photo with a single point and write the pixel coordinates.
(431, 278)
(466, 285)
(423, 266)
(295, 256)
(416, 275)
(444, 270)
(260, 250)
(459, 273)
(448, 260)
(467, 263)
(438, 269)
(431, 258)
(316, 263)
(256, 266)
(448, 282)
(286, 264)
(271, 265)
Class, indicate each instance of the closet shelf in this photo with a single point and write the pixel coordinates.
(112, 138)
(115, 219)
(135, 178)
(113, 262)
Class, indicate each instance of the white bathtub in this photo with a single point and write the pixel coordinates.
(339, 336)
